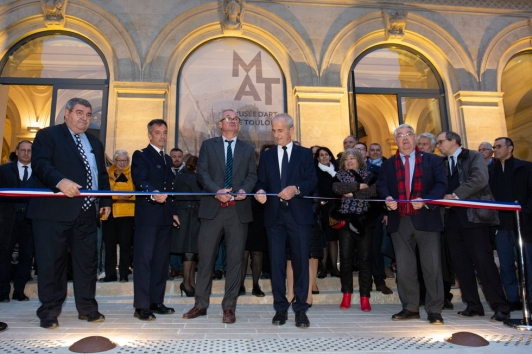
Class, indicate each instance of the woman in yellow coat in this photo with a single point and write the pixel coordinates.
(119, 227)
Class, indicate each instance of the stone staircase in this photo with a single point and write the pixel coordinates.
(329, 292)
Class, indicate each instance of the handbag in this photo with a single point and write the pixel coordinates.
(484, 215)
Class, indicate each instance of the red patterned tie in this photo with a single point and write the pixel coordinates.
(407, 176)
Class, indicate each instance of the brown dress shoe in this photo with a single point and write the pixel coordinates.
(384, 289)
(195, 312)
(229, 316)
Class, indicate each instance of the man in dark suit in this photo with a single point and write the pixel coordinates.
(289, 171)
(466, 234)
(223, 168)
(410, 175)
(14, 226)
(66, 159)
(154, 217)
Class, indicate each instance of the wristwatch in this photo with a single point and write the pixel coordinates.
(297, 190)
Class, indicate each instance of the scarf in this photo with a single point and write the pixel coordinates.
(329, 169)
(353, 205)
(417, 185)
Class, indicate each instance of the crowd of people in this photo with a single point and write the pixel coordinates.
(307, 207)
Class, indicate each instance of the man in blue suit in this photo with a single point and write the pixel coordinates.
(287, 170)
(154, 216)
(409, 175)
(66, 159)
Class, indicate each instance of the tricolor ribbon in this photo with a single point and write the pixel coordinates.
(478, 204)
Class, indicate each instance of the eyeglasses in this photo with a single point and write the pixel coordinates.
(407, 135)
(484, 149)
(231, 120)
(498, 146)
(122, 160)
(82, 114)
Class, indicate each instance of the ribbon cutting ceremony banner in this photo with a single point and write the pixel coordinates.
(477, 204)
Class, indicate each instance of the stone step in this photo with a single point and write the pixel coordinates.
(329, 292)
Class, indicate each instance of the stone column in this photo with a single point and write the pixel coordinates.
(131, 107)
(322, 116)
(482, 116)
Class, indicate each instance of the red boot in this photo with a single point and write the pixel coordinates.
(364, 304)
(346, 301)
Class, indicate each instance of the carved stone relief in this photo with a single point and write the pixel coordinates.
(232, 14)
(394, 23)
(54, 12)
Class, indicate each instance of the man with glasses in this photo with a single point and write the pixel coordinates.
(467, 231)
(411, 175)
(226, 166)
(65, 158)
(510, 181)
(486, 150)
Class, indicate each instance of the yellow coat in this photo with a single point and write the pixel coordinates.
(122, 208)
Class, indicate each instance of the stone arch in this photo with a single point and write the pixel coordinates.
(426, 37)
(454, 65)
(83, 18)
(508, 42)
(181, 36)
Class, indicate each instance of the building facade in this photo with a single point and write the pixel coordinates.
(338, 67)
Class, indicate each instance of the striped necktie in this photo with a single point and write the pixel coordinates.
(229, 165)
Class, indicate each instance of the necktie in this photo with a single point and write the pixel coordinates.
(87, 200)
(284, 169)
(25, 177)
(162, 155)
(451, 165)
(407, 176)
(229, 165)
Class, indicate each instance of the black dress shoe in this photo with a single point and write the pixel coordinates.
(280, 318)
(242, 291)
(124, 279)
(20, 297)
(49, 322)
(302, 319)
(144, 315)
(322, 274)
(218, 274)
(108, 279)
(316, 292)
(405, 315)
(3, 326)
(161, 309)
(4, 298)
(257, 292)
(469, 312)
(92, 317)
(435, 319)
(499, 317)
(447, 304)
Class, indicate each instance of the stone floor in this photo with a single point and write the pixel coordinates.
(332, 330)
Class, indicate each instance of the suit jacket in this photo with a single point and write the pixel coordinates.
(434, 187)
(211, 176)
(54, 157)
(151, 172)
(9, 178)
(301, 173)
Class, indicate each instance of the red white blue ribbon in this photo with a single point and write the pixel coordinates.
(477, 204)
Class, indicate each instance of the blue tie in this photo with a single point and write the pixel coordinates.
(284, 169)
(229, 166)
(25, 177)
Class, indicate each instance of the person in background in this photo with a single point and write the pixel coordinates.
(176, 261)
(14, 226)
(326, 168)
(185, 238)
(426, 142)
(486, 149)
(120, 225)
